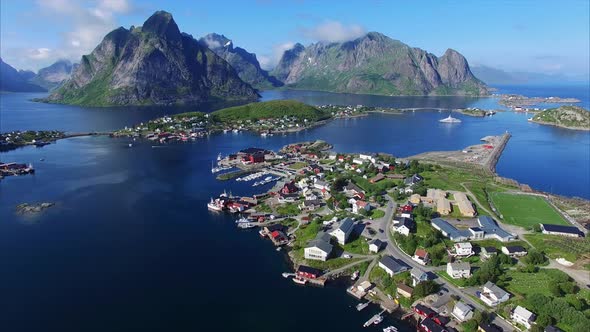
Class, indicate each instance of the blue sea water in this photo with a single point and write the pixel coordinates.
(130, 244)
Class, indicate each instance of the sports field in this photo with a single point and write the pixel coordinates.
(526, 210)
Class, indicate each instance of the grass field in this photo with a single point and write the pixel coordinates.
(526, 210)
(524, 284)
(556, 246)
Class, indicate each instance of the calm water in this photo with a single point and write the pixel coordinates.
(131, 245)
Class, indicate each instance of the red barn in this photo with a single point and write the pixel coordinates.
(308, 272)
(424, 311)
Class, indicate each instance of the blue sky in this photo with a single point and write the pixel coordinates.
(537, 36)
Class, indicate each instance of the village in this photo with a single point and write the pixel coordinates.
(433, 256)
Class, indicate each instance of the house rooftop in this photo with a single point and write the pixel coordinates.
(459, 266)
(393, 264)
(498, 292)
(524, 313)
(514, 249)
(346, 225)
(308, 269)
(560, 229)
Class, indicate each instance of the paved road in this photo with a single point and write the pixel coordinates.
(348, 266)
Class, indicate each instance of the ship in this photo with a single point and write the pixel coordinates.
(300, 281)
(390, 329)
(244, 225)
(362, 306)
(449, 119)
(215, 205)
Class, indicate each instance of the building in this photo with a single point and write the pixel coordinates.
(493, 295)
(488, 229)
(421, 256)
(424, 311)
(377, 178)
(464, 204)
(488, 328)
(429, 325)
(359, 205)
(404, 290)
(289, 188)
(514, 251)
(392, 266)
(415, 199)
(412, 180)
(462, 312)
(321, 185)
(443, 206)
(319, 248)
(404, 226)
(488, 252)
(308, 272)
(463, 249)
(522, 316)
(375, 245)
(560, 230)
(343, 231)
(459, 270)
(310, 204)
(352, 189)
(418, 276)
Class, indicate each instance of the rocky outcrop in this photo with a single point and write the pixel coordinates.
(246, 64)
(152, 64)
(16, 81)
(377, 64)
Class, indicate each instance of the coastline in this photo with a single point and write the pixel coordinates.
(558, 125)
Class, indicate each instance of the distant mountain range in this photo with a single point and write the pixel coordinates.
(54, 75)
(494, 76)
(17, 81)
(244, 63)
(151, 64)
(377, 64)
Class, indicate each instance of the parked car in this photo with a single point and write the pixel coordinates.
(346, 256)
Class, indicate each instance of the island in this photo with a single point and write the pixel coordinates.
(265, 118)
(569, 117)
(519, 102)
(476, 112)
(15, 139)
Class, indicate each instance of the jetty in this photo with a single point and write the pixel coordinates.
(376, 319)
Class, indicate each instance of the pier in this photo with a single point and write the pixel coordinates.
(492, 160)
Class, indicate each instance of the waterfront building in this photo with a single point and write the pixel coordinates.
(318, 248)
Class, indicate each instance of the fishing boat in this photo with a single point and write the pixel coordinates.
(449, 119)
(242, 220)
(362, 306)
(288, 275)
(298, 280)
(244, 225)
(215, 205)
(390, 329)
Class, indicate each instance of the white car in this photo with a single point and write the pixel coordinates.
(346, 256)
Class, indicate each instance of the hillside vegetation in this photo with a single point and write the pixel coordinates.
(271, 110)
(571, 117)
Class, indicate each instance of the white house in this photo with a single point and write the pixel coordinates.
(343, 231)
(462, 312)
(514, 251)
(418, 276)
(359, 205)
(358, 161)
(522, 316)
(392, 266)
(459, 270)
(321, 185)
(463, 249)
(493, 295)
(375, 245)
(318, 248)
(404, 226)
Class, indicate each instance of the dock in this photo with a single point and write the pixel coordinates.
(374, 320)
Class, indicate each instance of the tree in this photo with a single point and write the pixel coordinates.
(425, 288)
(339, 183)
(481, 317)
(529, 268)
(555, 289)
(534, 257)
(544, 320)
(469, 326)
(568, 287)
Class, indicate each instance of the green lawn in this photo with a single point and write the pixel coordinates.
(298, 165)
(457, 282)
(526, 210)
(376, 214)
(357, 246)
(524, 284)
(556, 246)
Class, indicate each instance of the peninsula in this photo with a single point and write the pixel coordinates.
(569, 117)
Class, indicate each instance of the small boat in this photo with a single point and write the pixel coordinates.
(42, 159)
(362, 306)
(300, 281)
(242, 220)
(449, 119)
(390, 329)
(214, 206)
(378, 320)
(246, 225)
(235, 131)
(279, 249)
(287, 274)
(262, 233)
(130, 145)
(219, 157)
(355, 275)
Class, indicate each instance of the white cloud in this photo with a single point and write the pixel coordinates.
(269, 61)
(333, 31)
(87, 21)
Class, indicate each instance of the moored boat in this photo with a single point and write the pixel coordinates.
(300, 281)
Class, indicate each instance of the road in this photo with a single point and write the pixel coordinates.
(393, 250)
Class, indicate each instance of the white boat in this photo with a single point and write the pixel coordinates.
(219, 157)
(362, 306)
(235, 131)
(279, 249)
(287, 274)
(244, 225)
(355, 275)
(300, 281)
(242, 220)
(450, 119)
(214, 205)
(268, 178)
(390, 329)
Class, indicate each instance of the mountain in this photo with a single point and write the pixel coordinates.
(152, 64)
(495, 76)
(377, 64)
(54, 75)
(15, 81)
(244, 63)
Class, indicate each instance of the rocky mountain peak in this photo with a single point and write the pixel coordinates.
(216, 41)
(162, 25)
